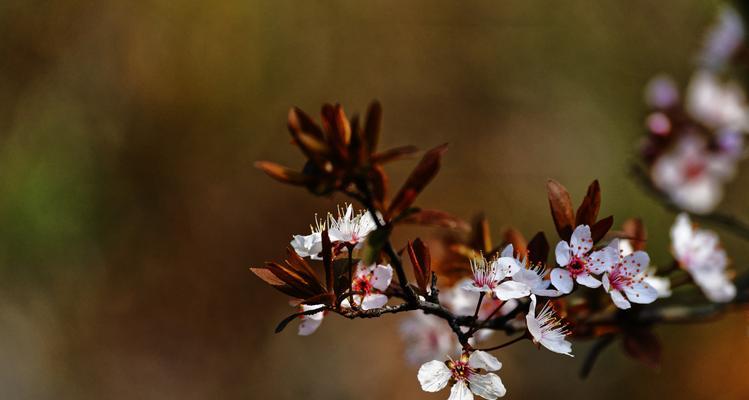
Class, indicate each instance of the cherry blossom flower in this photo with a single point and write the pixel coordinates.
(578, 263)
(349, 229)
(532, 276)
(310, 245)
(427, 337)
(625, 280)
(661, 284)
(698, 251)
(369, 283)
(717, 104)
(692, 175)
(723, 39)
(489, 277)
(547, 329)
(309, 323)
(466, 374)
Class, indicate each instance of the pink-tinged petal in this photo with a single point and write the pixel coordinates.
(511, 290)
(641, 293)
(372, 301)
(619, 300)
(381, 277)
(468, 285)
(603, 260)
(581, 241)
(434, 376)
(636, 263)
(483, 360)
(562, 280)
(606, 282)
(508, 251)
(563, 253)
(460, 391)
(309, 325)
(547, 292)
(588, 280)
(488, 386)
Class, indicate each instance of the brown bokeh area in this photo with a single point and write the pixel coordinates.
(131, 210)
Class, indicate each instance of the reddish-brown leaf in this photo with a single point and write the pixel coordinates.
(299, 121)
(600, 228)
(538, 249)
(481, 236)
(438, 218)
(588, 210)
(372, 126)
(635, 231)
(421, 261)
(338, 131)
(281, 173)
(561, 208)
(420, 177)
(393, 154)
(267, 275)
(515, 238)
(643, 345)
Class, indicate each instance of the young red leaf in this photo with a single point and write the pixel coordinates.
(436, 218)
(281, 173)
(643, 345)
(421, 260)
(538, 249)
(481, 236)
(600, 228)
(561, 208)
(299, 121)
(588, 210)
(515, 238)
(372, 126)
(634, 231)
(393, 154)
(420, 177)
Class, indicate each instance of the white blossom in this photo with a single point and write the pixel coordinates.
(368, 284)
(698, 251)
(547, 329)
(310, 322)
(350, 229)
(466, 373)
(578, 263)
(625, 280)
(489, 277)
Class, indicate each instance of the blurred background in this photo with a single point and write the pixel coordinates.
(130, 210)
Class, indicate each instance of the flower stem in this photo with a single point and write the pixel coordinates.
(478, 305)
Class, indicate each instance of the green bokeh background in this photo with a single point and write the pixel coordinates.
(130, 209)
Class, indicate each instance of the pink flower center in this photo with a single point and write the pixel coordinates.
(577, 266)
(618, 280)
(362, 284)
(694, 169)
(460, 370)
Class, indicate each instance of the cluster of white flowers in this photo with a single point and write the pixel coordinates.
(698, 251)
(346, 230)
(703, 156)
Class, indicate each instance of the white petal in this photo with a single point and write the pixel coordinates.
(488, 386)
(606, 282)
(547, 292)
(558, 345)
(603, 260)
(511, 290)
(530, 320)
(434, 376)
(317, 316)
(641, 293)
(588, 280)
(372, 301)
(484, 360)
(619, 300)
(508, 251)
(563, 253)
(460, 391)
(468, 284)
(581, 241)
(309, 325)
(562, 280)
(637, 262)
(507, 266)
(528, 277)
(381, 277)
